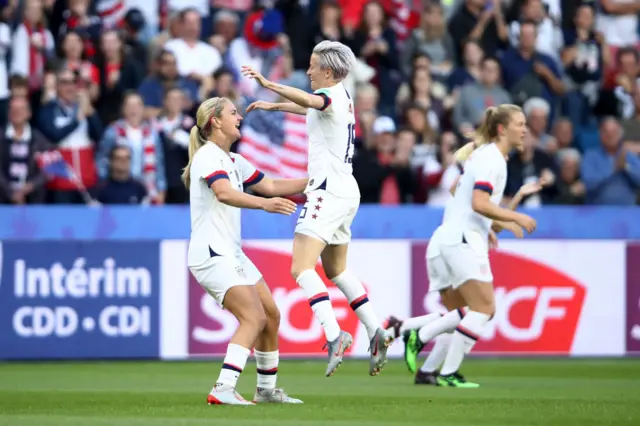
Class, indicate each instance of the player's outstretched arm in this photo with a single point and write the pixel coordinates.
(283, 106)
(280, 187)
(226, 194)
(297, 96)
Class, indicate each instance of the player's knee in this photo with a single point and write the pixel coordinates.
(257, 320)
(273, 320)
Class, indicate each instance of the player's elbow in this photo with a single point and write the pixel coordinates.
(224, 195)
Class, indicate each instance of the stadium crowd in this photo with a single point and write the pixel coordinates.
(113, 86)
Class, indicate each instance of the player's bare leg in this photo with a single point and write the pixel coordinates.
(451, 299)
(334, 262)
(306, 251)
(267, 355)
(244, 303)
(479, 298)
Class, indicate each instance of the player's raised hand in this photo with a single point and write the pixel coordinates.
(527, 222)
(280, 205)
(248, 71)
(267, 106)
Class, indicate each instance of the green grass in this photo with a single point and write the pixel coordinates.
(513, 393)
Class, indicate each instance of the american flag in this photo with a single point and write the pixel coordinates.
(275, 142)
(54, 166)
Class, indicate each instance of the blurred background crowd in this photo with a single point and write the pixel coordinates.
(112, 85)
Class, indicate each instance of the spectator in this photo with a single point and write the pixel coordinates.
(563, 134)
(549, 37)
(140, 136)
(626, 80)
(226, 26)
(195, 59)
(131, 37)
(433, 41)
(537, 112)
(119, 73)
(482, 21)
(528, 73)
(71, 123)
(120, 187)
(475, 98)
(531, 165)
(79, 20)
(571, 189)
(584, 58)
(375, 43)
(427, 94)
(174, 128)
(469, 72)
(86, 73)
(327, 28)
(21, 180)
(32, 45)
(631, 126)
(611, 173)
(417, 119)
(383, 172)
(154, 87)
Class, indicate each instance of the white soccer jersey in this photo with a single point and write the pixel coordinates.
(486, 170)
(215, 227)
(331, 133)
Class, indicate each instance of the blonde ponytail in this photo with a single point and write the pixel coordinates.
(207, 110)
(487, 131)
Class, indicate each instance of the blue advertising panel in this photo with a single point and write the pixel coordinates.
(73, 299)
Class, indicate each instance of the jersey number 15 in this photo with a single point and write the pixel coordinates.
(351, 129)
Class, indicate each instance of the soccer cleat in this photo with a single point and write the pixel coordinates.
(392, 325)
(274, 396)
(412, 348)
(336, 350)
(424, 378)
(226, 395)
(378, 348)
(456, 380)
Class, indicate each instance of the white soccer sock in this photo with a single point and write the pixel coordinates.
(234, 363)
(359, 301)
(445, 324)
(320, 303)
(267, 366)
(438, 353)
(463, 340)
(417, 323)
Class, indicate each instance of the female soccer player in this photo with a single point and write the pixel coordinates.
(451, 300)
(216, 178)
(457, 256)
(333, 197)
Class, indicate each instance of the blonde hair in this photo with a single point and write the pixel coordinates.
(199, 134)
(488, 130)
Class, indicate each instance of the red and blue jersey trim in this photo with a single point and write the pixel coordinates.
(327, 101)
(484, 186)
(218, 174)
(256, 177)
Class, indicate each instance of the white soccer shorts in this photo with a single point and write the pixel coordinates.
(327, 217)
(221, 273)
(465, 263)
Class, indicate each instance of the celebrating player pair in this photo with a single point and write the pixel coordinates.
(216, 179)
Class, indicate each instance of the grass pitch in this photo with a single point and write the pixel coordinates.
(513, 393)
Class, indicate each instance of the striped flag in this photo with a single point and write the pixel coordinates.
(276, 143)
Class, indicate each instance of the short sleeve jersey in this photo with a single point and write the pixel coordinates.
(486, 170)
(331, 132)
(215, 226)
